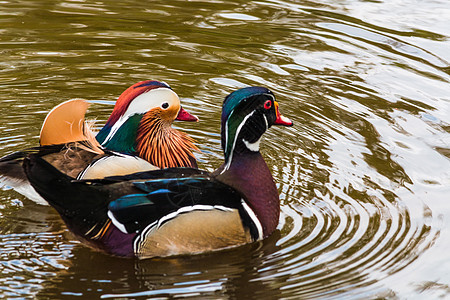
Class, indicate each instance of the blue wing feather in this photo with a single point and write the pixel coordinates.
(129, 201)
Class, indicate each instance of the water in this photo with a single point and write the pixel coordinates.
(364, 175)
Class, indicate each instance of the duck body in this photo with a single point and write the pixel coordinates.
(192, 212)
(137, 137)
(177, 211)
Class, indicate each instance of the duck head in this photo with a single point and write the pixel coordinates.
(246, 114)
(141, 121)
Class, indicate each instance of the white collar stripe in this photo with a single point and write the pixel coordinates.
(254, 218)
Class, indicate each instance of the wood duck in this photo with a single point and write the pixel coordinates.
(137, 137)
(177, 211)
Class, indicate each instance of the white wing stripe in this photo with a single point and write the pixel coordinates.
(116, 223)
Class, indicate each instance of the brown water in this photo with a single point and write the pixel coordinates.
(364, 175)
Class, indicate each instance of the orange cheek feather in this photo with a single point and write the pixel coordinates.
(169, 114)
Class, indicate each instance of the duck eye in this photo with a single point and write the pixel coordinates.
(267, 104)
(165, 105)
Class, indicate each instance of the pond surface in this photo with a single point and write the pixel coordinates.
(363, 176)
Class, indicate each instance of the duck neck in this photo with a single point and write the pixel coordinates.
(121, 136)
(249, 174)
(161, 145)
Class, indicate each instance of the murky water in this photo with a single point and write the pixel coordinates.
(364, 175)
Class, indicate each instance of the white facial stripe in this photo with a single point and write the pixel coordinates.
(142, 104)
(267, 123)
(227, 166)
(151, 99)
(271, 96)
(226, 130)
(254, 219)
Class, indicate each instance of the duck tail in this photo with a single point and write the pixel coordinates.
(81, 206)
(65, 123)
(11, 166)
(12, 176)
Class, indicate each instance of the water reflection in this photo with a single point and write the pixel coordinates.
(233, 273)
(363, 176)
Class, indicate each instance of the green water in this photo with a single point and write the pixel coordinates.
(363, 176)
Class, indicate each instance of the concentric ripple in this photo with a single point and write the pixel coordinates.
(345, 243)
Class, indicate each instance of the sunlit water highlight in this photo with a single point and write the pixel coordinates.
(363, 176)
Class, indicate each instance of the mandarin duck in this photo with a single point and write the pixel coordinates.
(177, 211)
(137, 137)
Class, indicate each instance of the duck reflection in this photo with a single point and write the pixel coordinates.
(233, 273)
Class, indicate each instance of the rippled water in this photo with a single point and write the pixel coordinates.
(364, 175)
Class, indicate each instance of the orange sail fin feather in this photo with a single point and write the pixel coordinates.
(65, 124)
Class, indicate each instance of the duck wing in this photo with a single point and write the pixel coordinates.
(72, 159)
(175, 216)
(160, 200)
(82, 206)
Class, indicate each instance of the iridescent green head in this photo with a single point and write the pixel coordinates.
(246, 114)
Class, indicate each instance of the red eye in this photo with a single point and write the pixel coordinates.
(267, 104)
